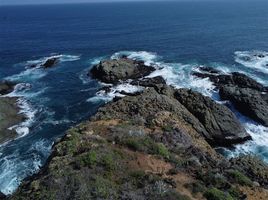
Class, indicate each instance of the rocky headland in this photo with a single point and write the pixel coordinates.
(8, 112)
(157, 144)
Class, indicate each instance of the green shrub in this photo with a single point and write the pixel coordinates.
(213, 179)
(215, 194)
(198, 187)
(103, 188)
(240, 178)
(235, 193)
(146, 144)
(133, 144)
(173, 195)
(108, 161)
(137, 174)
(89, 159)
(167, 128)
(160, 149)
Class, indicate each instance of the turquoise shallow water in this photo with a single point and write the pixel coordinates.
(178, 37)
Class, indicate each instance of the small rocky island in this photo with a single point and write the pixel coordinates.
(158, 143)
(8, 112)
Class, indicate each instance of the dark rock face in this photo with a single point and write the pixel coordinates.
(213, 121)
(149, 82)
(209, 70)
(218, 120)
(248, 101)
(247, 95)
(6, 87)
(235, 78)
(113, 71)
(2, 196)
(50, 62)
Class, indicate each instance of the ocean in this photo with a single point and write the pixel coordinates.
(178, 36)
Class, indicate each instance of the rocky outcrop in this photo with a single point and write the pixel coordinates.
(152, 141)
(235, 78)
(113, 71)
(6, 87)
(248, 101)
(213, 121)
(247, 95)
(218, 120)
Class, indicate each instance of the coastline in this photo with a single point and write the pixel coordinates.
(156, 140)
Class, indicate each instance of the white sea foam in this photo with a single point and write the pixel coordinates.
(257, 60)
(18, 165)
(33, 73)
(29, 74)
(115, 91)
(29, 112)
(148, 57)
(175, 74)
(26, 109)
(61, 57)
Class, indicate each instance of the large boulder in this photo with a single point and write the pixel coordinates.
(220, 123)
(114, 71)
(247, 95)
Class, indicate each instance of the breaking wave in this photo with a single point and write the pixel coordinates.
(33, 68)
(17, 166)
(257, 60)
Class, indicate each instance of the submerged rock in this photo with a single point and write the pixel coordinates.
(50, 62)
(113, 71)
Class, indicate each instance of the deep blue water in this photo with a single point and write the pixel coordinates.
(177, 35)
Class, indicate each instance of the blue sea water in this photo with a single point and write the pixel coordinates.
(178, 36)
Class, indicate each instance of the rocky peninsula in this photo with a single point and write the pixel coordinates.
(8, 112)
(157, 144)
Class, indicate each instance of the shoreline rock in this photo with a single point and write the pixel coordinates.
(6, 87)
(247, 95)
(8, 113)
(114, 71)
